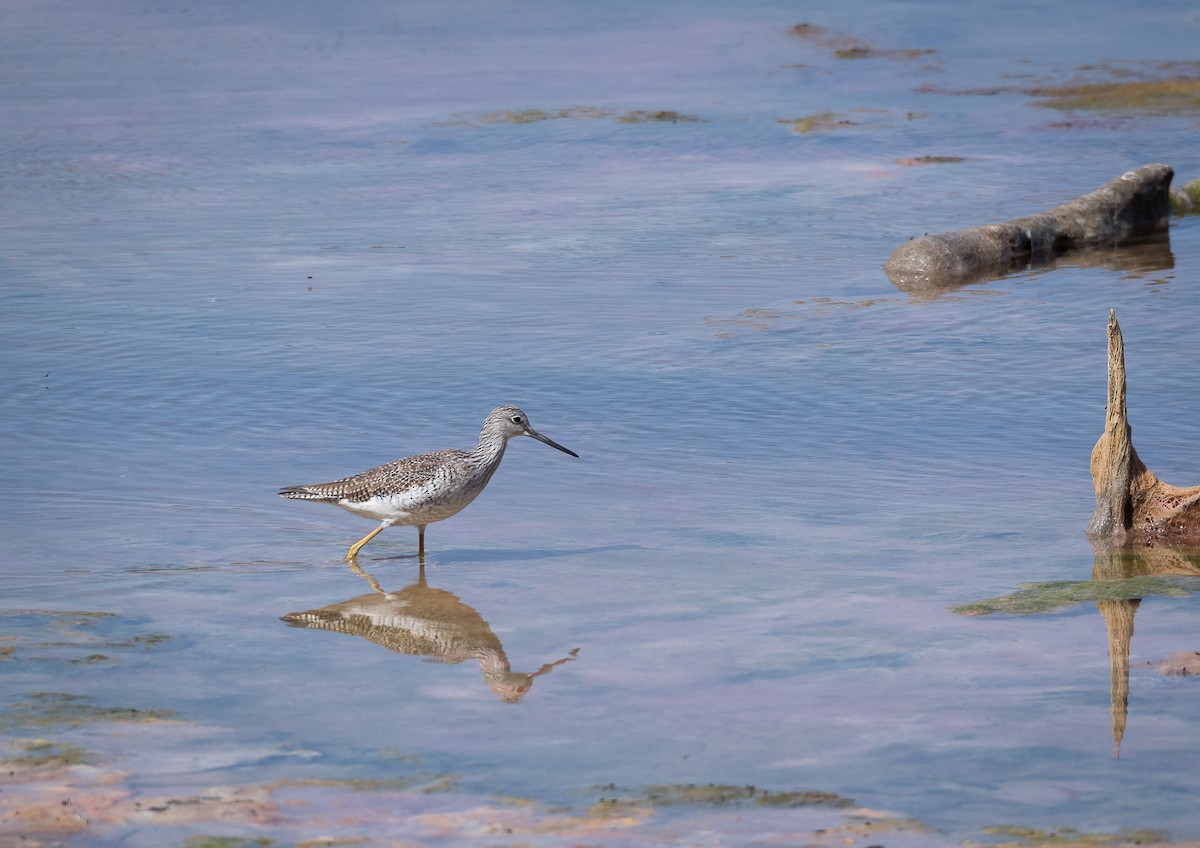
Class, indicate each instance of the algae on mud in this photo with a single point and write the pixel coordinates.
(827, 121)
(50, 630)
(1057, 595)
(50, 709)
(844, 46)
(668, 116)
(595, 113)
(716, 794)
(931, 160)
(1021, 836)
(291, 812)
(37, 754)
(200, 841)
(1172, 96)
(1136, 89)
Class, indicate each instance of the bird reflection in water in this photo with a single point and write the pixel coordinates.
(426, 622)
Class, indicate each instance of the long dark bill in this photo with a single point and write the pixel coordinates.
(529, 431)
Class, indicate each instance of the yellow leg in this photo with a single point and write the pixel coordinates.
(421, 544)
(358, 545)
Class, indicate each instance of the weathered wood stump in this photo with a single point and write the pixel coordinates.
(1132, 504)
(1132, 207)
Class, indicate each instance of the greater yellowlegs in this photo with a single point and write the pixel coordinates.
(419, 490)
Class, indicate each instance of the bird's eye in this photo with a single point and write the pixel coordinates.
(516, 419)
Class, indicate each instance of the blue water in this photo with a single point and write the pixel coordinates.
(251, 245)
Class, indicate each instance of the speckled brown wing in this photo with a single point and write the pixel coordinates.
(390, 478)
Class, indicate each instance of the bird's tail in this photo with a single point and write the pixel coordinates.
(304, 493)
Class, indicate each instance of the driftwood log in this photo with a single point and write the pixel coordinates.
(1132, 504)
(1135, 206)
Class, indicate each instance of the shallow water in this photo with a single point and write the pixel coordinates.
(266, 244)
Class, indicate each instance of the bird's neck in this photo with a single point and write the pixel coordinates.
(490, 449)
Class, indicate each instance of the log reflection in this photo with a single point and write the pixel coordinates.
(426, 622)
(1135, 259)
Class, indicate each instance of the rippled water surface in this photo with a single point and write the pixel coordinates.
(250, 245)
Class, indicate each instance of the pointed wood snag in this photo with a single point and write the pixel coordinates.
(1131, 502)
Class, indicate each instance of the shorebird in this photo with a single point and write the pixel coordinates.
(419, 490)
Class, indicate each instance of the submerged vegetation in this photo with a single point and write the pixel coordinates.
(870, 119)
(818, 122)
(593, 113)
(1146, 88)
(428, 784)
(48, 709)
(826, 121)
(1024, 837)
(62, 634)
(240, 842)
(1172, 95)
(931, 160)
(1185, 200)
(848, 47)
(36, 754)
(1052, 596)
(713, 795)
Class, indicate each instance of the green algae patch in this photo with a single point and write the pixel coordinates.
(1149, 88)
(664, 116)
(91, 659)
(1038, 598)
(533, 116)
(1139, 89)
(58, 613)
(1185, 200)
(1174, 95)
(54, 634)
(826, 121)
(819, 122)
(930, 160)
(40, 754)
(1032, 836)
(713, 795)
(844, 46)
(760, 319)
(588, 113)
(53, 709)
(810, 798)
(425, 783)
(145, 642)
(230, 842)
(444, 783)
